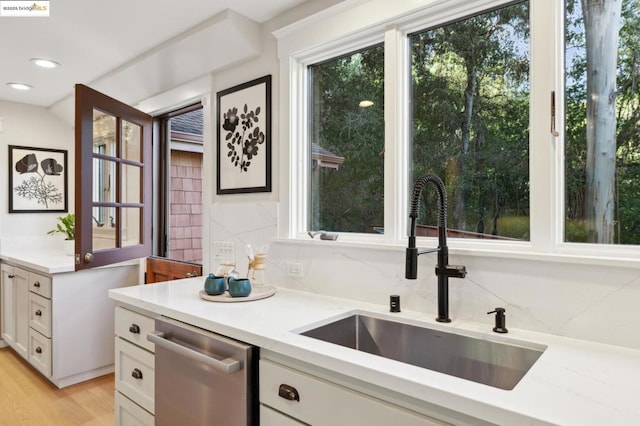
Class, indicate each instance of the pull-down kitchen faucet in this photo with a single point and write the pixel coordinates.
(443, 269)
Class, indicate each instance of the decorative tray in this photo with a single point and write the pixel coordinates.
(257, 293)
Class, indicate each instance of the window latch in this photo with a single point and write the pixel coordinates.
(554, 132)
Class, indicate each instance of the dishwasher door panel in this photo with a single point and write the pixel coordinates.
(203, 378)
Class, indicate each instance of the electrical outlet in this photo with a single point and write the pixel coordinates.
(294, 269)
(224, 251)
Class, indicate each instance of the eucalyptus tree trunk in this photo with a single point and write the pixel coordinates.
(467, 118)
(602, 26)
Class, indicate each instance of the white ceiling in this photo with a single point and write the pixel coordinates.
(96, 40)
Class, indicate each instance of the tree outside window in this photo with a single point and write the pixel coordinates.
(602, 168)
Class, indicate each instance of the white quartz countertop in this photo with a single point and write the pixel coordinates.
(49, 261)
(573, 383)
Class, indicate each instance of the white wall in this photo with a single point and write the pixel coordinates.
(31, 126)
(549, 295)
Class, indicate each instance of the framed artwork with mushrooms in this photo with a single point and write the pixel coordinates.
(243, 134)
(37, 180)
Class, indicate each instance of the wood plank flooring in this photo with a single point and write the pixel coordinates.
(27, 398)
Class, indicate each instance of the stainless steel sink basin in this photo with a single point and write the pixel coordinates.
(489, 362)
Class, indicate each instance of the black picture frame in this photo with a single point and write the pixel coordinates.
(38, 180)
(243, 138)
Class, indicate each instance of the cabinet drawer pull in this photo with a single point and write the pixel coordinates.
(11, 276)
(36, 284)
(39, 313)
(135, 329)
(38, 350)
(136, 374)
(288, 392)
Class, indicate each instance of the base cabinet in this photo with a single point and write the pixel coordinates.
(271, 417)
(135, 368)
(62, 324)
(15, 298)
(302, 397)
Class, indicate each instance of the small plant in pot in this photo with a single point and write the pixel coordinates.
(66, 225)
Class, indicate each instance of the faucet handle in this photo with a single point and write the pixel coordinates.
(452, 271)
(501, 320)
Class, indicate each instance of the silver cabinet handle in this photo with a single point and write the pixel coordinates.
(226, 366)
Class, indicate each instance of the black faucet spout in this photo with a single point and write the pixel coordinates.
(443, 270)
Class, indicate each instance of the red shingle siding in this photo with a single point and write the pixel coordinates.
(185, 232)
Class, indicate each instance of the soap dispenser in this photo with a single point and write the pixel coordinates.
(501, 320)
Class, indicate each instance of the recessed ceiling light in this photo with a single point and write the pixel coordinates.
(20, 86)
(45, 63)
(365, 104)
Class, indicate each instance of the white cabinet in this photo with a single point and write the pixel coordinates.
(315, 401)
(14, 296)
(271, 417)
(63, 323)
(135, 368)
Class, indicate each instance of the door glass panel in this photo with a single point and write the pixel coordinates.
(131, 226)
(132, 137)
(131, 176)
(104, 233)
(104, 174)
(101, 216)
(104, 133)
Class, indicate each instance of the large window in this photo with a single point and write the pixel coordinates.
(602, 122)
(347, 143)
(528, 111)
(470, 121)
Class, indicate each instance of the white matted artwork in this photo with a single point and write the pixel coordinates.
(243, 131)
(37, 180)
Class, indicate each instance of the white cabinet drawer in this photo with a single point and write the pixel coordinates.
(135, 374)
(40, 284)
(128, 413)
(40, 314)
(270, 417)
(134, 327)
(40, 352)
(322, 403)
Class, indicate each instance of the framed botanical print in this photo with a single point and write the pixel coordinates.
(243, 133)
(37, 180)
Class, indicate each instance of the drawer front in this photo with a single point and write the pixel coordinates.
(128, 413)
(40, 352)
(270, 417)
(40, 284)
(135, 374)
(318, 402)
(40, 314)
(134, 327)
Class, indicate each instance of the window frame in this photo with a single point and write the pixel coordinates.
(392, 25)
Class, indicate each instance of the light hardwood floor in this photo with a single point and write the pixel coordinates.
(27, 398)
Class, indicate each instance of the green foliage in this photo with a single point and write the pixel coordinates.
(627, 199)
(67, 226)
(349, 199)
(470, 117)
(514, 227)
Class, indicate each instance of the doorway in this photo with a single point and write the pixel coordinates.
(179, 194)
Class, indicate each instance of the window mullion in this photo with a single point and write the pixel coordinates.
(544, 176)
(396, 139)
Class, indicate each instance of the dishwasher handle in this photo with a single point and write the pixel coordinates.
(226, 366)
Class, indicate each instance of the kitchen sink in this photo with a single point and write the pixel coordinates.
(497, 364)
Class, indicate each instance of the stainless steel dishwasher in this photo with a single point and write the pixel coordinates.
(203, 378)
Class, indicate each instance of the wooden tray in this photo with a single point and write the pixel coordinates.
(257, 293)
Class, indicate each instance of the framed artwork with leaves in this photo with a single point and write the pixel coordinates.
(243, 134)
(37, 180)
